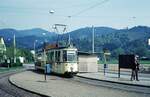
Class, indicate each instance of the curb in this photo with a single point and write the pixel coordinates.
(114, 82)
(27, 89)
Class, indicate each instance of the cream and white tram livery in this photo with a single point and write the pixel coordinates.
(63, 60)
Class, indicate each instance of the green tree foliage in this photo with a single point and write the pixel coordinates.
(117, 52)
(117, 43)
(19, 52)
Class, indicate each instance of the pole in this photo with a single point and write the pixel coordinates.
(69, 39)
(104, 64)
(14, 43)
(93, 39)
(34, 49)
(118, 72)
(45, 61)
(45, 71)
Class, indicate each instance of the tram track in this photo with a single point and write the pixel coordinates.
(9, 90)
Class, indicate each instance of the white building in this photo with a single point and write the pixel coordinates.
(87, 62)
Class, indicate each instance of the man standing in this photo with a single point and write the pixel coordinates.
(135, 69)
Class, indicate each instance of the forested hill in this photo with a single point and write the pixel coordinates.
(117, 41)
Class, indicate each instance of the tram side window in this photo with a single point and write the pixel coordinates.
(48, 56)
(64, 55)
(57, 56)
(51, 56)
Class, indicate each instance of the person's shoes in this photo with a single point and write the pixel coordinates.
(137, 80)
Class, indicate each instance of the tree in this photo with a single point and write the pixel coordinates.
(117, 52)
(19, 52)
(141, 51)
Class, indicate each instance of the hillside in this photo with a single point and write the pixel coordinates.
(117, 41)
(8, 33)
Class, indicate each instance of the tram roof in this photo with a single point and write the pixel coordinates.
(87, 53)
(60, 48)
(56, 48)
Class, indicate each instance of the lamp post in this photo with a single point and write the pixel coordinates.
(93, 39)
(44, 45)
(14, 44)
(35, 49)
(44, 48)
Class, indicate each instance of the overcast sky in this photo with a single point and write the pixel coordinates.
(26, 14)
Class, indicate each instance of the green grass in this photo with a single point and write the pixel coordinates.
(5, 69)
(142, 62)
(108, 62)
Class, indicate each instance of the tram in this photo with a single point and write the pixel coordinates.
(63, 60)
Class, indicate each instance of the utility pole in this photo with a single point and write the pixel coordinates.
(69, 40)
(35, 50)
(14, 43)
(93, 39)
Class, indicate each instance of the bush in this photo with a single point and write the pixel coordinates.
(16, 64)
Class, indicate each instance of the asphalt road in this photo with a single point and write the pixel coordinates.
(9, 90)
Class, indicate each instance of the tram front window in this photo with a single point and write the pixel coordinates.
(69, 56)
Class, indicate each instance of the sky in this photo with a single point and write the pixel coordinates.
(28, 14)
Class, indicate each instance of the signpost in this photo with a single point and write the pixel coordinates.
(105, 52)
(45, 71)
(45, 67)
(105, 64)
(126, 61)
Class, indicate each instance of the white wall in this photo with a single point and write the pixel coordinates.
(88, 63)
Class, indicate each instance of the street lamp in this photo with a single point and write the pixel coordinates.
(51, 11)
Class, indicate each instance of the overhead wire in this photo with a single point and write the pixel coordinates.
(85, 10)
(28, 10)
(89, 8)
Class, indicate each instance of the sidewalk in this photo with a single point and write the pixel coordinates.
(113, 77)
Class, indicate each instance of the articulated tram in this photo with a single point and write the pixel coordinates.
(63, 60)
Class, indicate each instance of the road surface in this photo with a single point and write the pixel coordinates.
(9, 90)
